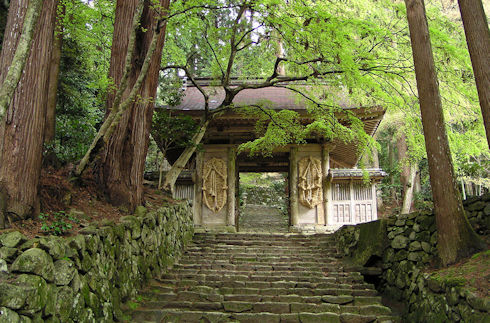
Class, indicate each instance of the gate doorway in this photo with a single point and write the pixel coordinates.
(263, 202)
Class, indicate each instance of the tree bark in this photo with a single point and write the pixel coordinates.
(23, 131)
(15, 49)
(456, 238)
(54, 72)
(121, 166)
(478, 40)
(409, 190)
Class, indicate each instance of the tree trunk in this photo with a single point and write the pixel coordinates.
(401, 145)
(15, 49)
(478, 40)
(391, 161)
(456, 238)
(408, 193)
(23, 131)
(122, 161)
(180, 163)
(54, 72)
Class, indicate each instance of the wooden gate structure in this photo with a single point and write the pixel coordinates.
(326, 190)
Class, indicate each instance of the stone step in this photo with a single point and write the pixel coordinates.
(269, 307)
(261, 278)
(268, 267)
(166, 285)
(275, 290)
(185, 260)
(200, 296)
(267, 271)
(330, 278)
(256, 258)
(282, 250)
(245, 242)
(263, 236)
(176, 315)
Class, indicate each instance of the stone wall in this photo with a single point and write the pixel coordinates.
(409, 248)
(87, 277)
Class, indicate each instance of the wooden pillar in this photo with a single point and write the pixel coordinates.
(325, 183)
(293, 185)
(198, 189)
(231, 186)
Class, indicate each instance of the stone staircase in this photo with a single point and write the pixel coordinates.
(261, 278)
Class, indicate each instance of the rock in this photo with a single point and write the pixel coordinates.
(425, 246)
(12, 296)
(477, 206)
(54, 246)
(12, 239)
(64, 303)
(481, 304)
(35, 261)
(414, 246)
(414, 256)
(8, 316)
(8, 253)
(486, 210)
(3, 267)
(64, 270)
(452, 297)
(399, 242)
(400, 223)
(140, 211)
(36, 291)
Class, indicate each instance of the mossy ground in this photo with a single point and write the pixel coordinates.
(472, 273)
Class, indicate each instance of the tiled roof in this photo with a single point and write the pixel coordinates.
(272, 97)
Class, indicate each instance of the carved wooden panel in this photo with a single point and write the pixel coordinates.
(214, 186)
(310, 182)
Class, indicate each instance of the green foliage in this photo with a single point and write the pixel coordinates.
(83, 83)
(57, 223)
(78, 111)
(172, 130)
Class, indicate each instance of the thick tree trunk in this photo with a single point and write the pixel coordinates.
(54, 72)
(180, 163)
(478, 40)
(23, 131)
(15, 49)
(456, 238)
(122, 161)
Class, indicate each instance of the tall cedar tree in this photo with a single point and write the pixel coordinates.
(22, 133)
(478, 40)
(122, 160)
(456, 238)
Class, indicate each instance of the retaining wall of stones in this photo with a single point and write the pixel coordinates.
(408, 246)
(86, 278)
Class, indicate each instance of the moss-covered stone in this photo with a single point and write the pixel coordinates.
(36, 291)
(55, 246)
(12, 295)
(64, 303)
(12, 239)
(8, 316)
(399, 242)
(35, 261)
